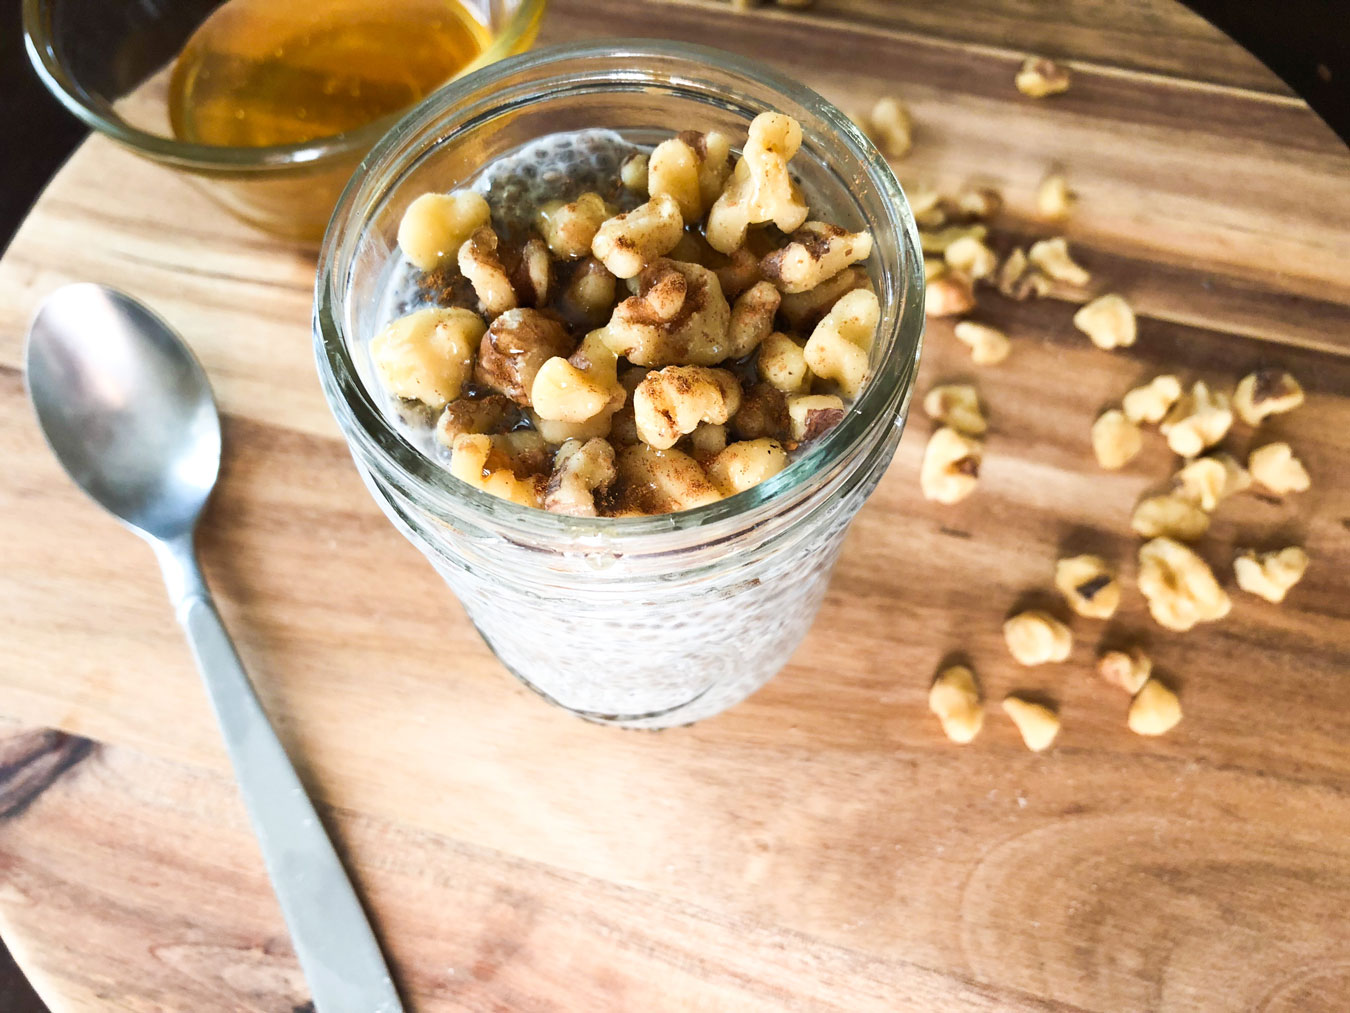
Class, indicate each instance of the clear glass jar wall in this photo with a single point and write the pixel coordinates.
(643, 622)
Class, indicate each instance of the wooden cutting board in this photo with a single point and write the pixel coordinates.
(822, 846)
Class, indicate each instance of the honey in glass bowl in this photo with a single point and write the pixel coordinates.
(268, 72)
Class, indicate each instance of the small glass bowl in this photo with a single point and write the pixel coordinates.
(643, 622)
(107, 61)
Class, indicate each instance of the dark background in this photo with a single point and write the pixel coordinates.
(1306, 42)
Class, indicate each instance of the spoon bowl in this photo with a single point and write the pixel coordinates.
(126, 408)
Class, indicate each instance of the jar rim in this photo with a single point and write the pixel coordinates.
(470, 100)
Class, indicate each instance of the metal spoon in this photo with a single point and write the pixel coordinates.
(129, 413)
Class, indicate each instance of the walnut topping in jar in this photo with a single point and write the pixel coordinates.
(678, 317)
(513, 349)
(815, 252)
(811, 416)
(743, 336)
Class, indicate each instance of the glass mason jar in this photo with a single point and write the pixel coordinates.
(643, 622)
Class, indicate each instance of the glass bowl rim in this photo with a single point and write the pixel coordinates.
(364, 423)
(223, 158)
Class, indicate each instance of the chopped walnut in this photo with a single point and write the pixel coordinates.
(815, 252)
(427, 355)
(1275, 467)
(532, 273)
(1017, 279)
(801, 311)
(745, 464)
(951, 466)
(569, 227)
(673, 401)
(761, 188)
(477, 460)
(949, 295)
(495, 413)
(602, 425)
(1051, 256)
(1054, 199)
(633, 173)
(736, 271)
(956, 405)
(1089, 585)
(691, 167)
(1127, 669)
(1115, 439)
(1206, 481)
(1039, 77)
(763, 413)
(1108, 321)
(629, 242)
(692, 249)
(1036, 637)
(589, 296)
(930, 219)
(654, 481)
(580, 470)
(1200, 419)
(1179, 586)
(1036, 723)
(479, 262)
(988, 345)
(1266, 392)
(890, 128)
(923, 198)
(1270, 574)
(705, 442)
(811, 416)
(1169, 515)
(678, 317)
(937, 242)
(1155, 710)
(955, 699)
(751, 319)
(1152, 401)
(971, 257)
(838, 347)
(579, 388)
(782, 362)
(435, 226)
(515, 346)
(976, 203)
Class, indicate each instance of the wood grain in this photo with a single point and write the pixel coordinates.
(1162, 38)
(820, 847)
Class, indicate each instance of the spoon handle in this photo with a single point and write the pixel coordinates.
(333, 940)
